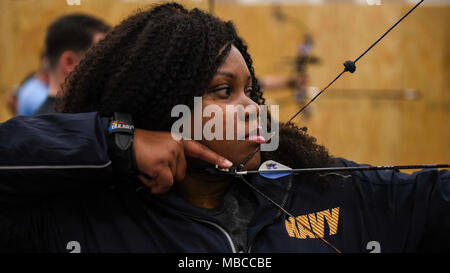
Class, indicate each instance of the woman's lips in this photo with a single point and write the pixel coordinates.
(255, 139)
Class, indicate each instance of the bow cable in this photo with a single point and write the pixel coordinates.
(289, 214)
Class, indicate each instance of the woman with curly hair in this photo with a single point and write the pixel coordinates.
(163, 57)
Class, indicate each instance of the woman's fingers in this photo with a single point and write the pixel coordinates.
(147, 180)
(162, 159)
(181, 166)
(195, 149)
(161, 181)
(164, 181)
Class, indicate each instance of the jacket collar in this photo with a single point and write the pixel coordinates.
(276, 189)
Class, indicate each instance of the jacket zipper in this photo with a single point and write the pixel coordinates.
(249, 249)
(233, 248)
(227, 235)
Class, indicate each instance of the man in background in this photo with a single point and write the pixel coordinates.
(67, 39)
(26, 98)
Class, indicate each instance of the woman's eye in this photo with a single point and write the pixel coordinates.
(223, 92)
(248, 92)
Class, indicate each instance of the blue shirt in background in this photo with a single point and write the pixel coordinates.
(30, 96)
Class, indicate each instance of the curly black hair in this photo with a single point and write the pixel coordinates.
(161, 57)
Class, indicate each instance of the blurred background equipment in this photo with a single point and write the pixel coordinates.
(298, 81)
(372, 116)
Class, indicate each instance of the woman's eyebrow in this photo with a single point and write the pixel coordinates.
(228, 74)
(231, 75)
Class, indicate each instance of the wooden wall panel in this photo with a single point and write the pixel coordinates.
(414, 55)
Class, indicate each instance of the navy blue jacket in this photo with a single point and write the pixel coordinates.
(58, 193)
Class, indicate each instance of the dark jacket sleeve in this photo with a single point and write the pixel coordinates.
(408, 212)
(48, 154)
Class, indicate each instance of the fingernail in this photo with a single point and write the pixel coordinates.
(227, 163)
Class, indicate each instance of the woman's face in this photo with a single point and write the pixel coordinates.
(231, 86)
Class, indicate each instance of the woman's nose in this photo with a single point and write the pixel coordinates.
(252, 108)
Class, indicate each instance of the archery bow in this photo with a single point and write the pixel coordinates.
(349, 66)
(274, 170)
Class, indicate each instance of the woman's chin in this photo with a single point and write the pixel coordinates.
(236, 152)
(252, 164)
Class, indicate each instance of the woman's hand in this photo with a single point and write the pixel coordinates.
(163, 158)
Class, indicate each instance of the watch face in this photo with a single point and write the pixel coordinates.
(120, 125)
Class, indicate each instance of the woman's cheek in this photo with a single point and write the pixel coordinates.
(229, 147)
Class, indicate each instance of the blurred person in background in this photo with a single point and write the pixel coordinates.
(31, 92)
(66, 41)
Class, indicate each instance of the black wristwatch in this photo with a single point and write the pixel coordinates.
(120, 144)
